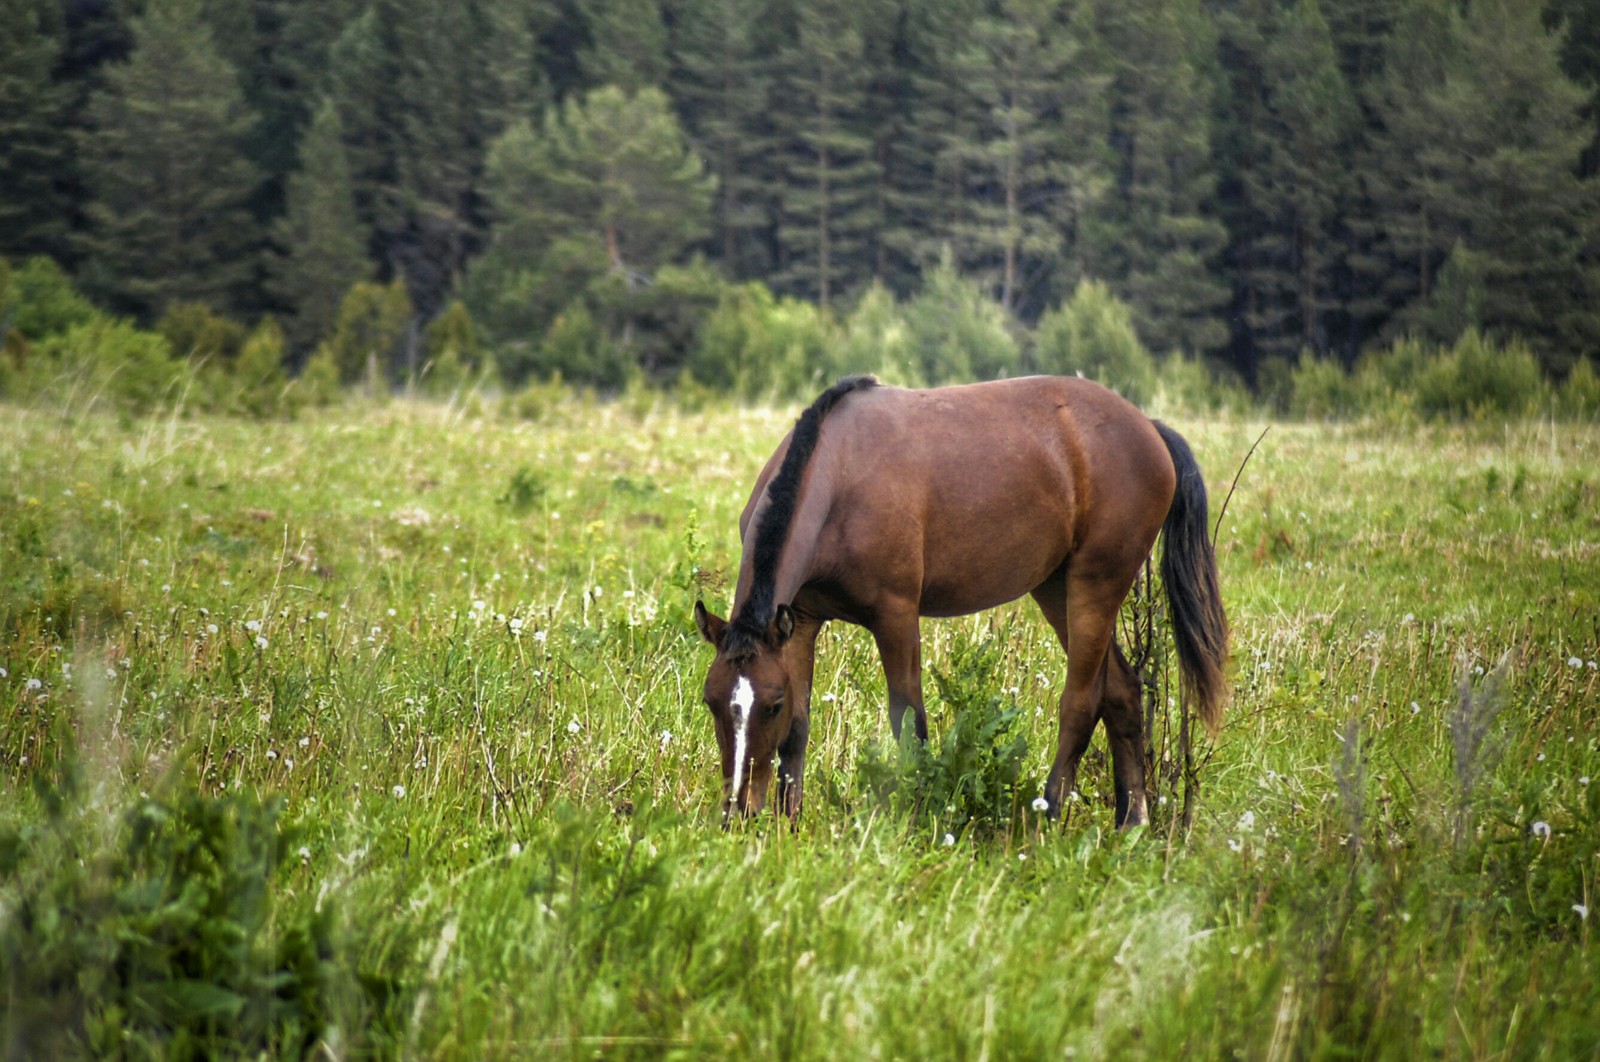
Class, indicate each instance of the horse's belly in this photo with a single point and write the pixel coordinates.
(986, 578)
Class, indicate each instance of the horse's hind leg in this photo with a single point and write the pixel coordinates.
(1100, 684)
(1119, 707)
(1080, 701)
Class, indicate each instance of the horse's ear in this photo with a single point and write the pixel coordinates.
(711, 626)
(782, 625)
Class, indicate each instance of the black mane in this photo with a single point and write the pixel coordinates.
(749, 626)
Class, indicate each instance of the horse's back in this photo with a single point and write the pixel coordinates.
(982, 491)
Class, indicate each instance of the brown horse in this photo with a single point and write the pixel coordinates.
(884, 505)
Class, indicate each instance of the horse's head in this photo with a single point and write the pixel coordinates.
(752, 701)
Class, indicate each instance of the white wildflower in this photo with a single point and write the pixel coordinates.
(1541, 829)
(399, 792)
(574, 726)
(949, 840)
(1040, 803)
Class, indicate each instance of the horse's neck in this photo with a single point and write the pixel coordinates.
(797, 557)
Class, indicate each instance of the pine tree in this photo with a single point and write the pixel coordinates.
(1027, 151)
(1157, 240)
(422, 89)
(722, 86)
(1293, 113)
(1482, 142)
(825, 194)
(612, 169)
(34, 212)
(628, 44)
(321, 245)
(165, 159)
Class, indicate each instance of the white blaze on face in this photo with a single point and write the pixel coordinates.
(743, 699)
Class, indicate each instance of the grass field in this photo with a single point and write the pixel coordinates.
(379, 733)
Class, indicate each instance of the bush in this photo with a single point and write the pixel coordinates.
(318, 382)
(1320, 389)
(452, 354)
(197, 334)
(1478, 378)
(153, 940)
(369, 336)
(1579, 397)
(957, 332)
(107, 359)
(1092, 335)
(974, 780)
(258, 386)
(576, 348)
(41, 302)
(876, 339)
(756, 345)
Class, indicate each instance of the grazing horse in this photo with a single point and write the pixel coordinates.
(884, 505)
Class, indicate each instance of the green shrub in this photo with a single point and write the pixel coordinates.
(259, 383)
(576, 348)
(318, 382)
(151, 939)
(658, 325)
(957, 332)
(42, 302)
(1320, 389)
(971, 778)
(452, 354)
(876, 339)
(1579, 396)
(1478, 378)
(756, 345)
(196, 333)
(368, 337)
(109, 360)
(1194, 385)
(1092, 335)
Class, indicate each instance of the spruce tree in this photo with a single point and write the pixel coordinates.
(1027, 145)
(825, 190)
(165, 160)
(1293, 113)
(321, 245)
(1483, 136)
(35, 159)
(721, 86)
(628, 44)
(1157, 239)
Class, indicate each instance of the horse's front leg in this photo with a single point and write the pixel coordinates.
(900, 647)
(800, 656)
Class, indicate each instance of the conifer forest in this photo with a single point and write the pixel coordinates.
(580, 186)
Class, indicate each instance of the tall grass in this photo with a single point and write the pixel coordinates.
(378, 734)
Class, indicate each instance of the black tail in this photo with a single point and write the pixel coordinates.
(1189, 570)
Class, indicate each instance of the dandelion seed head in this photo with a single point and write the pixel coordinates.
(1540, 829)
(1040, 803)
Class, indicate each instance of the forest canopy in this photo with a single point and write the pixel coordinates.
(609, 187)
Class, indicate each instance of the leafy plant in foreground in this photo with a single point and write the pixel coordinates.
(969, 779)
(153, 935)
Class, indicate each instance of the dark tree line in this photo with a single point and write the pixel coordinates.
(1254, 178)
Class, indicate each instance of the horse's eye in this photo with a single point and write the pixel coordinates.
(772, 712)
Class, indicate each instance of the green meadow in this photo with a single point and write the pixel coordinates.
(378, 733)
